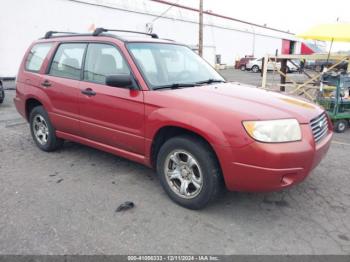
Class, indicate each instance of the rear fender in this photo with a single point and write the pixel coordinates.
(37, 94)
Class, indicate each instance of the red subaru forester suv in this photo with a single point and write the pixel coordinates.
(158, 103)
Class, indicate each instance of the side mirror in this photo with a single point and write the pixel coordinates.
(119, 81)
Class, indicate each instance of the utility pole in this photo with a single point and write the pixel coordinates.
(253, 49)
(200, 39)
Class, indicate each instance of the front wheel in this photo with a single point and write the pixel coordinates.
(340, 126)
(42, 131)
(189, 172)
(255, 69)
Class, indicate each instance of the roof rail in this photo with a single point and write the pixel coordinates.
(49, 34)
(101, 30)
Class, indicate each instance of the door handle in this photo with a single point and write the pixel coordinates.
(46, 83)
(88, 92)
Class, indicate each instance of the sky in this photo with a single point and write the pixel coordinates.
(296, 16)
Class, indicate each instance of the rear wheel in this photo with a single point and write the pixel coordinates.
(340, 126)
(189, 172)
(255, 69)
(42, 131)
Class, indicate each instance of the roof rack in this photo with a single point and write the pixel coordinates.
(49, 34)
(101, 30)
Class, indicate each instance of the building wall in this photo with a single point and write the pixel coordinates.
(23, 21)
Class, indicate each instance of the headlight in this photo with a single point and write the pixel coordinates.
(274, 131)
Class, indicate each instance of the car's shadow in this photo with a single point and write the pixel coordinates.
(227, 201)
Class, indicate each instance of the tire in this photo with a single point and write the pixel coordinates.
(2, 93)
(195, 167)
(2, 96)
(243, 67)
(255, 69)
(340, 126)
(46, 139)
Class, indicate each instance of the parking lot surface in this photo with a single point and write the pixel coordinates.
(64, 202)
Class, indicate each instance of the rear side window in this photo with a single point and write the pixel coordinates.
(36, 56)
(103, 60)
(68, 60)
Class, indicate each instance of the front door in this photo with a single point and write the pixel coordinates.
(112, 116)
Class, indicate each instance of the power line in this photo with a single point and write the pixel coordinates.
(162, 14)
(221, 16)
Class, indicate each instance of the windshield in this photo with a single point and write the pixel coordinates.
(171, 65)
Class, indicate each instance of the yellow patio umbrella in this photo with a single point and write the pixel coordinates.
(339, 32)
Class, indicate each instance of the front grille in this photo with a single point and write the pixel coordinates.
(319, 126)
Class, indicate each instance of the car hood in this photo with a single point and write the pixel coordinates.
(246, 102)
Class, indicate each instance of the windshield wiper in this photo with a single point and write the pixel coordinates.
(178, 85)
(210, 81)
(175, 86)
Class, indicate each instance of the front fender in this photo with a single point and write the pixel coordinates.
(196, 123)
(200, 125)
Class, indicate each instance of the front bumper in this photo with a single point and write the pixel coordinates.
(270, 167)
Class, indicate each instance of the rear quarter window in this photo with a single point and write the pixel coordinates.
(36, 56)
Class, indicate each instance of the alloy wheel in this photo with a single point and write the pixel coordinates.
(40, 129)
(183, 174)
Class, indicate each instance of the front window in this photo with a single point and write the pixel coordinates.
(170, 64)
(103, 60)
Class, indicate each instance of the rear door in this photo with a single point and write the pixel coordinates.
(62, 86)
(110, 115)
